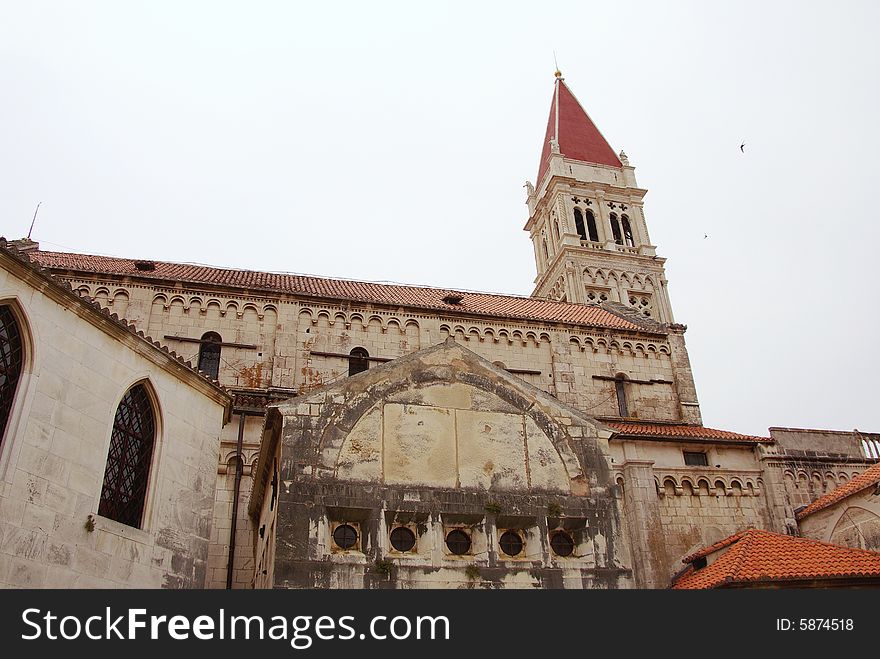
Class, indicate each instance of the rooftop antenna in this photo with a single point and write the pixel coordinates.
(34, 220)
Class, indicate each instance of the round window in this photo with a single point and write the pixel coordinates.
(345, 536)
(511, 543)
(458, 542)
(561, 543)
(402, 539)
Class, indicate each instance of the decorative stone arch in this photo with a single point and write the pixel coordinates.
(830, 481)
(151, 499)
(687, 486)
(855, 527)
(670, 487)
(339, 316)
(25, 387)
(330, 437)
(376, 323)
(394, 322)
(703, 487)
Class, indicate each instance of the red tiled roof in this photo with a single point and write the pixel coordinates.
(678, 431)
(756, 556)
(12, 250)
(578, 137)
(484, 304)
(721, 544)
(867, 478)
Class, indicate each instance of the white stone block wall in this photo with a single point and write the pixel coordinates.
(55, 449)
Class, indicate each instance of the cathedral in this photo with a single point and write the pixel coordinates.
(182, 426)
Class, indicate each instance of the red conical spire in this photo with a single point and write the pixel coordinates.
(575, 132)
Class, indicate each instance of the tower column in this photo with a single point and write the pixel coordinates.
(644, 525)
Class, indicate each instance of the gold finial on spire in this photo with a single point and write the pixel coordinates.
(558, 73)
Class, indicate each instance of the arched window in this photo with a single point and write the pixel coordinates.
(556, 229)
(620, 388)
(209, 354)
(128, 461)
(358, 361)
(591, 227)
(579, 223)
(11, 362)
(546, 252)
(627, 231)
(615, 229)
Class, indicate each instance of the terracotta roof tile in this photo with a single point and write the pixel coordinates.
(721, 544)
(756, 556)
(484, 304)
(867, 478)
(42, 270)
(678, 431)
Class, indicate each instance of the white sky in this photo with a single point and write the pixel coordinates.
(390, 142)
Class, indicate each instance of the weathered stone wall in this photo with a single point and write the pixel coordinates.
(218, 560)
(688, 507)
(286, 335)
(78, 366)
(436, 441)
(853, 522)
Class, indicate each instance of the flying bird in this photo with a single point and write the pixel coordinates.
(705, 235)
(742, 147)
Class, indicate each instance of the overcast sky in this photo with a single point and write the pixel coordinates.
(390, 142)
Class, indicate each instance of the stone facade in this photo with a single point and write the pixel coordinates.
(77, 364)
(854, 522)
(437, 441)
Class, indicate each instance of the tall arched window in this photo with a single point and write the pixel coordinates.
(615, 229)
(591, 227)
(546, 252)
(627, 231)
(11, 362)
(579, 223)
(556, 228)
(358, 361)
(209, 354)
(127, 473)
(620, 389)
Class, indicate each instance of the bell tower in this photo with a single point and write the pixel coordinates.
(587, 221)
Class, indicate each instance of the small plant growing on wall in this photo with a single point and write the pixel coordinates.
(90, 523)
(554, 509)
(384, 567)
(472, 572)
(492, 508)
